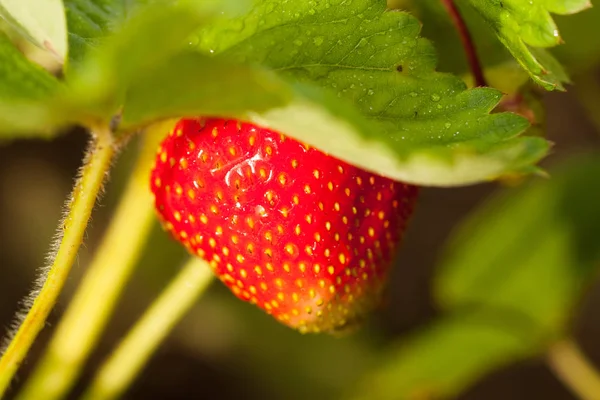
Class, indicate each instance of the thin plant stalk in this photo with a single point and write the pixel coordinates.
(571, 366)
(70, 236)
(97, 295)
(467, 42)
(121, 368)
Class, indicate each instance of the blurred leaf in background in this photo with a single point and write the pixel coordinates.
(444, 358)
(530, 252)
(25, 89)
(508, 282)
(21, 79)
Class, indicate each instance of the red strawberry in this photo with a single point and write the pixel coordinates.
(303, 235)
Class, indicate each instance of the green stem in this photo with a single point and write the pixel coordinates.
(96, 296)
(125, 363)
(571, 366)
(85, 192)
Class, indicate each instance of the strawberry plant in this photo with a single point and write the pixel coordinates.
(284, 146)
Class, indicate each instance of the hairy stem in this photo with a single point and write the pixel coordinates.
(96, 297)
(126, 362)
(571, 366)
(467, 42)
(70, 236)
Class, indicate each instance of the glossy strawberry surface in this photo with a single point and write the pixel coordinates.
(304, 236)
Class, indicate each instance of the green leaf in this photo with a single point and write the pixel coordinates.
(41, 21)
(531, 251)
(91, 21)
(154, 34)
(19, 78)
(501, 70)
(415, 124)
(526, 29)
(192, 84)
(357, 140)
(580, 53)
(443, 359)
(25, 93)
(127, 63)
(33, 119)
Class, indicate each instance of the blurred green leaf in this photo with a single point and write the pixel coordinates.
(421, 126)
(96, 87)
(509, 280)
(32, 119)
(26, 91)
(192, 84)
(526, 28)
(19, 78)
(531, 251)
(443, 359)
(41, 21)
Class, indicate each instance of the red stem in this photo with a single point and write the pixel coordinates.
(467, 42)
